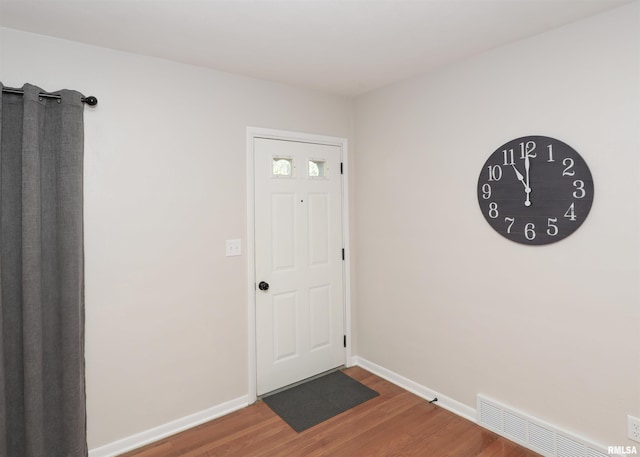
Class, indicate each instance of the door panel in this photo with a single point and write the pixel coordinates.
(320, 310)
(283, 231)
(284, 325)
(298, 249)
(318, 229)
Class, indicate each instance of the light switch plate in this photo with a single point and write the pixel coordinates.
(234, 247)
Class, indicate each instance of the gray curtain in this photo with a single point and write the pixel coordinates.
(42, 384)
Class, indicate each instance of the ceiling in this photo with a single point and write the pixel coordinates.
(345, 47)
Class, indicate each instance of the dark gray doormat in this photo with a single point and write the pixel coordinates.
(315, 401)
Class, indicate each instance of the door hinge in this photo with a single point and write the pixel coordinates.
(341, 168)
(342, 253)
(344, 340)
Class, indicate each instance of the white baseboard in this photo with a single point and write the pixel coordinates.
(171, 428)
(445, 402)
(591, 448)
(157, 433)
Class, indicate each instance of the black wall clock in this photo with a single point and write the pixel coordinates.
(535, 190)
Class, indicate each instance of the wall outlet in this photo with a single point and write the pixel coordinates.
(633, 430)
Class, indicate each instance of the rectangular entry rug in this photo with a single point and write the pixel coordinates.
(317, 400)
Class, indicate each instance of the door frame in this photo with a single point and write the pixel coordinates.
(257, 132)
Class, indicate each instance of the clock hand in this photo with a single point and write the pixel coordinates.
(527, 165)
(527, 189)
(521, 178)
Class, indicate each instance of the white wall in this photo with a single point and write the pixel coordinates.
(446, 301)
(165, 167)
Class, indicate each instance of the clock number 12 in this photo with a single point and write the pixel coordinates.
(526, 149)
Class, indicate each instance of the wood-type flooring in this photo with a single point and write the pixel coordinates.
(397, 423)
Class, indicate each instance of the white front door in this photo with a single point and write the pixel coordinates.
(298, 261)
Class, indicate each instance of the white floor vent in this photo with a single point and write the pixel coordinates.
(532, 433)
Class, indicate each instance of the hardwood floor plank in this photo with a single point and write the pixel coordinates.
(396, 423)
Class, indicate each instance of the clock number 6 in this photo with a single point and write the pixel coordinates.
(530, 231)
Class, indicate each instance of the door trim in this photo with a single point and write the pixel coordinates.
(257, 132)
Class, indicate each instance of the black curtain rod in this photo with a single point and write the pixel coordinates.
(90, 100)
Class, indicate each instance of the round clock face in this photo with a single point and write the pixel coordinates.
(535, 190)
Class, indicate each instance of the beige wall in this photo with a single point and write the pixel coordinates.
(165, 181)
(447, 302)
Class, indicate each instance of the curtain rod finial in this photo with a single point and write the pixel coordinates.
(91, 100)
